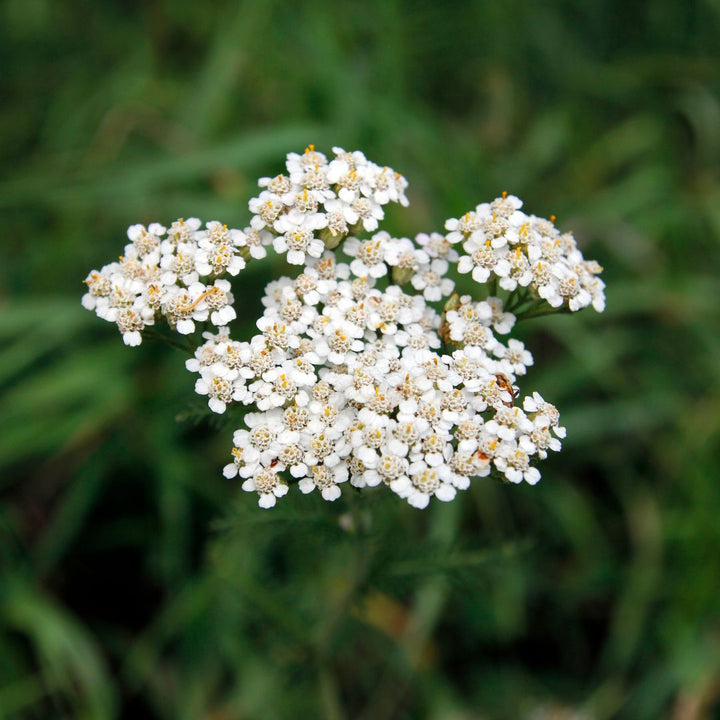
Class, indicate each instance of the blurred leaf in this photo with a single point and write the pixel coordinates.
(70, 660)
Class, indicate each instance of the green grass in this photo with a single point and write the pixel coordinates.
(135, 581)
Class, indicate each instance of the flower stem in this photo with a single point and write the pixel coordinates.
(541, 310)
(160, 337)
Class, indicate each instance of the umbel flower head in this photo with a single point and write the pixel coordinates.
(367, 368)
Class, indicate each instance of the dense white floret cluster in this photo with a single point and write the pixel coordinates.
(353, 384)
(367, 368)
(339, 196)
(171, 272)
(521, 251)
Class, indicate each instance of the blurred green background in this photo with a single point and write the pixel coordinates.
(136, 582)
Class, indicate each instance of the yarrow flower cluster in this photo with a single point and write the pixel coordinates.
(337, 196)
(160, 274)
(368, 368)
(521, 251)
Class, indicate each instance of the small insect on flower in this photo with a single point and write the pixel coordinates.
(504, 382)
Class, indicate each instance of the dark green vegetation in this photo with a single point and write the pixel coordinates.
(136, 582)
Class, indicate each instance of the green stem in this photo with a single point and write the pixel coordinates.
(517, 299)
(160, 337)
(542, 310)
(493, 286)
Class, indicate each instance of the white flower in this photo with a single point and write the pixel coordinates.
(462, 228)
(266, 209)
(183, 307)
(304, 209)
(515, 358)
(298, 240)
(181, 231)
(326, 479)
(436, 245)
(99, 287)
(130, 324)
(343, 210)
(424, 481)
(514, 463)
(369, 212)
(405, 434)
(147, 242)
(180, 266)
(369, 255)
(502, 322)
(570, 289)
(254, 240)
(402, 253)
(298, 166)
(507, 206)
(483, 260)
(338, 342)
(545, 283)
(219, 301)
(217, 252)
(417, 343)
(543, 413)
(220, 390)
(268, 484)
(432, 281)
(520, 271)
